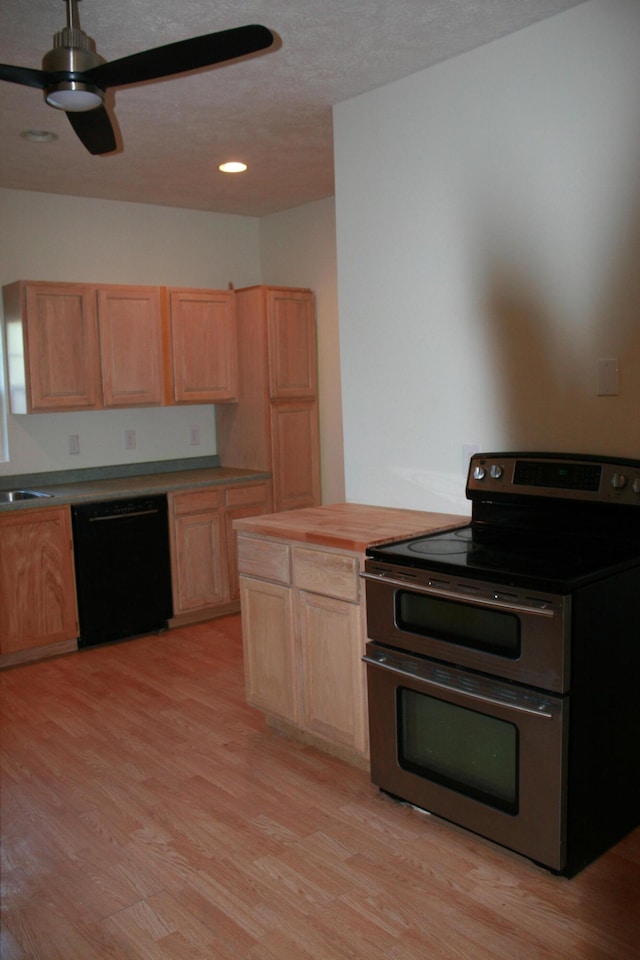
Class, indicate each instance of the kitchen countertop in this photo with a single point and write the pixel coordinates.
(86, 491)
(348, 526)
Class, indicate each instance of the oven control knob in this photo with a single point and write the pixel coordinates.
(618, 481)
(496, 471)
(479, 473)
(636, 485)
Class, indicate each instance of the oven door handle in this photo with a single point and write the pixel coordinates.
(541, 711)
(495, 604)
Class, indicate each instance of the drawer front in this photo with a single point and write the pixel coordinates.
(266, 559)
(243, 496)
(195, 501)
(330, 574)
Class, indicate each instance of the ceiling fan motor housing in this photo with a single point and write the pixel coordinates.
(73, 52)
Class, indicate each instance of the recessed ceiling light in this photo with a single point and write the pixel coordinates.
(39, 136)
(232, 166)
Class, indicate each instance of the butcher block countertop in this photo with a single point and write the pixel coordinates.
(348, 526)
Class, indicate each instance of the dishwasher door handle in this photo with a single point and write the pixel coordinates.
(123, 516)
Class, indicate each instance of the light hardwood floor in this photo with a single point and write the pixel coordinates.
(149, 814)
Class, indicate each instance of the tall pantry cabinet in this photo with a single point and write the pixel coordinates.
(274, 424)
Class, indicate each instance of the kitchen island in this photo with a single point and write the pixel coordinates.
(304, 616)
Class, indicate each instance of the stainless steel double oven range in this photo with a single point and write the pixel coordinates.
(503, 662)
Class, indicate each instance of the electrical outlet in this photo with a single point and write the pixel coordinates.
(74, 443)
(194, 435)
(129, 439)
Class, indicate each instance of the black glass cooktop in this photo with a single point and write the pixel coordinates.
(548, 561)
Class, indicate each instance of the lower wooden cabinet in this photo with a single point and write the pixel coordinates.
(199, 574)
(332, 673)
(203, 552)
(38, 609)
(303, 625)
(241, 500)
(270, 648)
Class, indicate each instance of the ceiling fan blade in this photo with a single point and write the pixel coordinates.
(94, 129)
(180, 57)
(24, 75)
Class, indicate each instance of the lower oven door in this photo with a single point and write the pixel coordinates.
(484, 754)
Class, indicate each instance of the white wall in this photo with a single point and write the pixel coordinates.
(46, 237)
(488, 218)
(299, 249)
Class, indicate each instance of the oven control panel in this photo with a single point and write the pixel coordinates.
(563, 476)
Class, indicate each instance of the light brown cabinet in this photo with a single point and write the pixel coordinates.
(242, 500)
(270, 649)
(38, 606)
(131, 346)
(295, 454)
(199, 574)
(303, 626)
(203, 344)
(89, 347)
(203, 552)
(53, 351)
(83, 347)
(274, 424)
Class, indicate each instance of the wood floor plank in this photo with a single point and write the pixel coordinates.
(149, 814)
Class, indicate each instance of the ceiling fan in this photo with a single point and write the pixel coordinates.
(74, 78)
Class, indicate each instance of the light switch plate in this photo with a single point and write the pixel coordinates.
(607, 378)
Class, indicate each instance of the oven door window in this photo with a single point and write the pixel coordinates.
(492, 631)
(461, 749)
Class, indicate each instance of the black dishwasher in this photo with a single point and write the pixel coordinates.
(123, 568)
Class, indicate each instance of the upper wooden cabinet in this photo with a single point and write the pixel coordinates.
(131, 346)
(90, 346)
(203, 344)
(53, 353)
(274, 424)
(293, 364)
(83, 347)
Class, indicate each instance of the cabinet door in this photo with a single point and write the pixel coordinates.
(333, 679)
(295, 450)
(293, 364)
(61, 361)
(203, 337)
(199, 578)
(131, 346)
(37, 583)
(243, 500)
(269, 648)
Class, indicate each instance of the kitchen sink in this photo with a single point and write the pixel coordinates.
(10, 496)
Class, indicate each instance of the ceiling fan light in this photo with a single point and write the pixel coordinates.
(232, 166)
(74, 97)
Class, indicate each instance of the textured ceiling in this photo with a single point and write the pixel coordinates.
(273, 110)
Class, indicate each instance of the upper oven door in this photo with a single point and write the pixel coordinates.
(518, 635)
